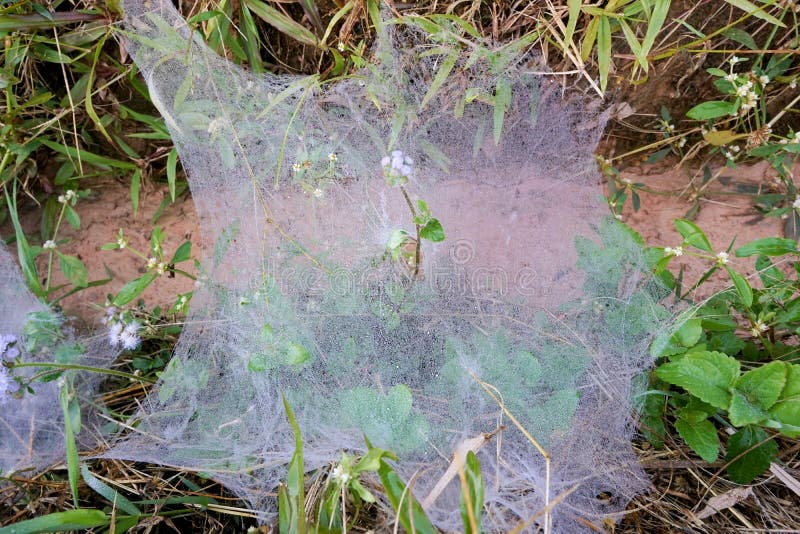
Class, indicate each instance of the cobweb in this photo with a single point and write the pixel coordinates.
(311, 291)
(32, 434)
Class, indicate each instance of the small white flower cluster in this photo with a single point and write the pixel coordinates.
(126, 336)
(159, 266)
(758, 328)
(722, 258)
(676, 251)
(730, 152)
(341, 475)
(216, 124)
(67, 197)
(332, 157)
(49, 245)
(8, 346)
(793, 139)
(340, 47)
(397, 168)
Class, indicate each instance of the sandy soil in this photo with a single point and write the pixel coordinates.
(724, 216)
(102, 215)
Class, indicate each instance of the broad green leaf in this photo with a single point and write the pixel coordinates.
(741, 37)
(183, 253)
(82, 519)
(742, 287)
(755, 455)
(72, 217)
(712, 109)
(693, 235)
(134, 288)
(604, 51)
(787, 408)
(701, 436)
(706, 375)
(763, 385)
(296, 354)
(402, 500)
(74, 270)
(432, 231)
(768, 246)
(756, 11)
(744, 411)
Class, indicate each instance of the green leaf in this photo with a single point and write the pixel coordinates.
(742, 287)
(701, 436)
(706, 375)
(756, 11)
(112, 495)
(172, 172)
(72, 217)
(574, 8)
(134, 288)
(693, 235)
(281, 22)
(295, 479)
(441, 76)
(82, 519)
(136, 185)
(74, 270)
(712, 109)
(432, 231)
(403, 501)
(183, 253)
(71, 445)
(743, 411)
(502, 101)
(755, 458)
(472, 493)
(763, 385)
(741, 37)
(24, 252)
(768, 246)
(673, 341)
(296, 354)
(604, 51)
(657, 18)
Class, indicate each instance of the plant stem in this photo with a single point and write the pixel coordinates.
(416, 226)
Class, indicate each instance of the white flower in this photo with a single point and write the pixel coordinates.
(736, 59)
(5, 385)
(340, 475)
(722, 258)
(763, 79)
(332, 156)
(129, 337)
(151, 263)
(731, 77)
(676, 251)
(627, 181)
(735, 149)
(796, 203)
(728, 154)
(122, 243)
(114, 334)
(317, 192)
(49, 245)
(216, 125)
(796, 137)
(340, 46)
(62, 199)
(397, 167)
(296, 167)
(8, 347)
(758, 328)
(681, 142)
(743, 89)
(161, 267)
(669, 127)
(793, 84)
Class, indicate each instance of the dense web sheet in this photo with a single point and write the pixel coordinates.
(298, 188)
(32, 424)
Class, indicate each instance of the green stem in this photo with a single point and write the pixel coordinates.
(52, 252)
(416, 226)
(77, 367)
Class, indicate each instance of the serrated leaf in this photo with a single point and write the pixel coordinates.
(742, 287)
(712, 109)
(768, 246)
(706, 375)
(744, 411)
(692, 235)
(764, 384)
(755, 458)
(432, 231)
(701, 436)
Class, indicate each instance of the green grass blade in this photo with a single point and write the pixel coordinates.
(71, 446)
(659, 15)
(574, 7)
(295, 477)
(59, 522)
(87, 102)
(409, 512)
(26, 257)
(756, 11)
(502, 101)
(633, 43)
(172, 172)
(604, 51)
(119, 500)
(281, 22)
(441, 76)
(312, 12)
